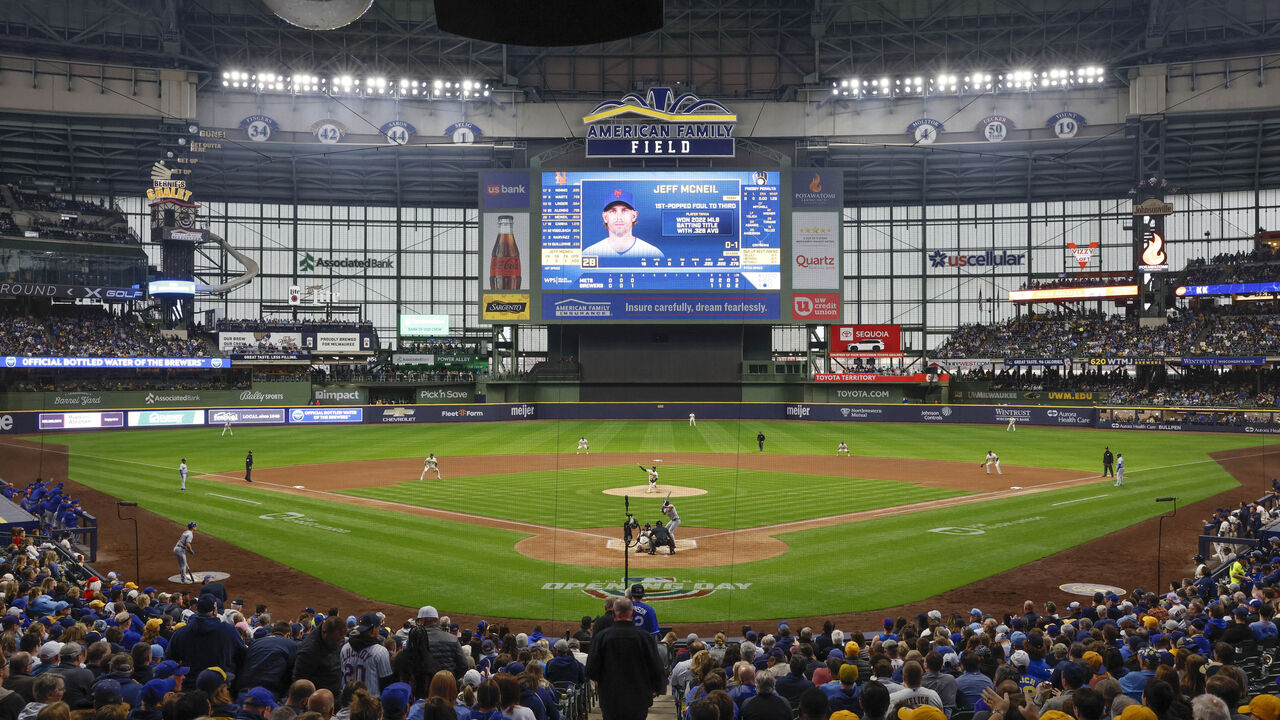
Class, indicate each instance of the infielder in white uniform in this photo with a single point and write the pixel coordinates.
(182, 549)
(693, 421)
(583, 447)
(673, 517)
(992, 459)
(1119, 470)
(182, 472)
(226, 428)
(1013, 425)
(428, 465)
(842, 449)
(653, 477)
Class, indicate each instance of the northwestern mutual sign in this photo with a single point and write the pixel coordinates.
(687, 126)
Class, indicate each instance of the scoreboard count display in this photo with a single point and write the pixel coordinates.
(650, 246)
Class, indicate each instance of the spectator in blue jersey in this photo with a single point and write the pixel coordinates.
(842, 693)
(1135, 682)
(972, 681)
(645, 618)
(1265, 628)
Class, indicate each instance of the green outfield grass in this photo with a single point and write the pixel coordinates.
(468, 568)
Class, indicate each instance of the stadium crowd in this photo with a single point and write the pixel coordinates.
(90, 332)
(80, 645)
(1075, 281)
(1244, 331)
(1236, 387)
(1257, 265)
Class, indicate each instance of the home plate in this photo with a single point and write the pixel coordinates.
(681, 545)
(1016, 487)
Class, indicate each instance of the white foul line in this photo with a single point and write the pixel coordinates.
(228, 497)
(1068, 502)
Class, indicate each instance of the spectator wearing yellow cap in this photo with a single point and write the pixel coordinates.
(1262, 707)
(842, 694)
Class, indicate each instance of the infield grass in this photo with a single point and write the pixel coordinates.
(473, 569)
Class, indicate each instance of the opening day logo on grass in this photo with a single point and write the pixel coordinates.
(655, 588)
(981, 528)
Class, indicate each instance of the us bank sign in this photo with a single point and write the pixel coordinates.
(682, 126)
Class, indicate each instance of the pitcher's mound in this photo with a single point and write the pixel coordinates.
(660, 492)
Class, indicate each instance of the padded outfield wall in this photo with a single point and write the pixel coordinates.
(1164, 419)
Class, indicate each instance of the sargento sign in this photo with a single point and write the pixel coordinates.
(853, 341)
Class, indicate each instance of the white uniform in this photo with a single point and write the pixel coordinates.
(428, 465)
(1013, 425)
(1119, 471)
(993, 459)
(182, 473)
(653, 479)
(693, 421)
(673, 521)
(842, 449)
(226, 428)
(583, 447)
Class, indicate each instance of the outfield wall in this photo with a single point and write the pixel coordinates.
(1261, 422)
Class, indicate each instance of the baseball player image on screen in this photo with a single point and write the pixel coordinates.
(432, 463)
(619, 217)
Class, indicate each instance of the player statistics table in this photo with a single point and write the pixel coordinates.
(661, 230)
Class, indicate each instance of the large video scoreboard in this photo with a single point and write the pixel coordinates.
(720, 246)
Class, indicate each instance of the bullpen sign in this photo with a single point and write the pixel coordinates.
(864, 341)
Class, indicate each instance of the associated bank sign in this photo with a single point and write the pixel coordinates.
(309, 263)
(687, 126)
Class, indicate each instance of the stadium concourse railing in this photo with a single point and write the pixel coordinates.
(1117, 418)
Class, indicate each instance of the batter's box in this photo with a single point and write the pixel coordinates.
(681, 546)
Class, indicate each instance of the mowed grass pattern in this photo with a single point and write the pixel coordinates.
(409, 560)
(735, 499)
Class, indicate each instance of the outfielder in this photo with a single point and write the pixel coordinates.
(1119, 470)
(1013, 425)
(992, 459)
(673, 519)
(226, 428)
(182, 549)
(842, 449)
(428, 465)
(653, 477)
(693, 421)
(583, 447)
(182, 473)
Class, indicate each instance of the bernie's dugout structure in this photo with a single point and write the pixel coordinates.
(521, 525)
